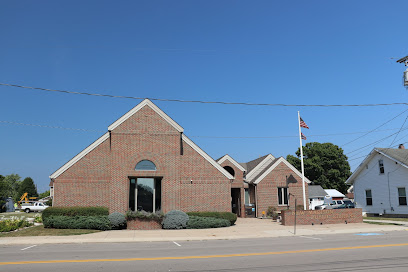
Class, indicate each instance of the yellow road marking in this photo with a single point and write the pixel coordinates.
(202, 257)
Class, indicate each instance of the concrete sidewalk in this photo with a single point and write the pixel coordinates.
(244, 228)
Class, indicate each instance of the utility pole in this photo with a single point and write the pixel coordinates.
(405, 76)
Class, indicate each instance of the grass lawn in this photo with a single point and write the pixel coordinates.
(383, 223)
(41, 231)
(386, 218)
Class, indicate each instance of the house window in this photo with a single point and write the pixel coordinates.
(145, 165)
(145, 194)
(246, 196)
(230, 170)
(402, 196)
(369, 198)
(381, 166)
(283, 196)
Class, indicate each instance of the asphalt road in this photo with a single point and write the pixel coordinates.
(343, 252)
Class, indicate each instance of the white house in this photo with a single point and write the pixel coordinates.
(380, 182)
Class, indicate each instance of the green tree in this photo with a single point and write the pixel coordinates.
(12, 183)
(28, 186)
(325, 164)
(45, 194)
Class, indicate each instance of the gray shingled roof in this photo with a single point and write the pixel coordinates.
(265, 169)
(252, 164)
(400, 155)
(316, 191)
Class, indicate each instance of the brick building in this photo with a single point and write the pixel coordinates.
(145, 162)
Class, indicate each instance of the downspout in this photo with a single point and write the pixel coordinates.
(256, 201)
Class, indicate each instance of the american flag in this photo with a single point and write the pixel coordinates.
(302, 123)
(303, 136)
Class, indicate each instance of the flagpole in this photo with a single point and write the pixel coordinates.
(301, 162)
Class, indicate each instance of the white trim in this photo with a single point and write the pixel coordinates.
(149, 103)
(206, 156)
(82, 154)
(234, 162)
(369, 157)
(274, 166)
(269, 157)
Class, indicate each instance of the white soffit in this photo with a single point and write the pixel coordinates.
(82, 154)
(149, 103)
(206, 156)
(274, 166)
(228, 157)
(268, 158)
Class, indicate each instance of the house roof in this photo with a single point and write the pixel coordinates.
(273, 165)
(333, 193)
(399, 156)
(316, 191)
(234, 162)
(122, 119)
(249, 166)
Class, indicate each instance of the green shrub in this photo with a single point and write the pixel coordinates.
(197, 222)
(175, 220)
(49, 202)
(74, 211)
(117, 220)
(99, 222)
(271, 212)
(231, 217)
(158, 216)
(13, 224)
(38, 219)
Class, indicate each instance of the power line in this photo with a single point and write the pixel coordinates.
(48, 126)
(201, 101)
(376, 128)
(194, 136)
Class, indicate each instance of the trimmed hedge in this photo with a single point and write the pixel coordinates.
(117, 220)
(197, 222)
(74, 211)
(158, 216)
(99, 222)
(231, 217)
(175, 220)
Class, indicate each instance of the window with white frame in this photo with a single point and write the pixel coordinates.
(402, 197)
(381, 166)
(283, 196)
(369, 198)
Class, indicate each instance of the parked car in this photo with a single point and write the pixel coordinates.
(33, 207)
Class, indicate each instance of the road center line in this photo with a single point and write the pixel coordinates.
(310, 237)
(177, 244)
(28, 247)
(202, 257)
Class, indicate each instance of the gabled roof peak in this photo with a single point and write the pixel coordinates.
(138, 107)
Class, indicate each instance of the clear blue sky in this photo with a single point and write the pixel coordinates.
(291, 52)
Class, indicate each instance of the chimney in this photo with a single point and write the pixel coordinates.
(401, 146)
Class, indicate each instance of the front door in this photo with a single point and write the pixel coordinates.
(236, 201)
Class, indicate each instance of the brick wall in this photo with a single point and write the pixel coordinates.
(317, 217)
(143, 224)
(267, 189)
(101, 178)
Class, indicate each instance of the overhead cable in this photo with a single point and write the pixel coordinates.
(204, 102)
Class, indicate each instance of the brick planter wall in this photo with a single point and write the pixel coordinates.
(317, 217)
(143, 224)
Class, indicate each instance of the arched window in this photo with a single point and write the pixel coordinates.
(230, 170)
(145, 165)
